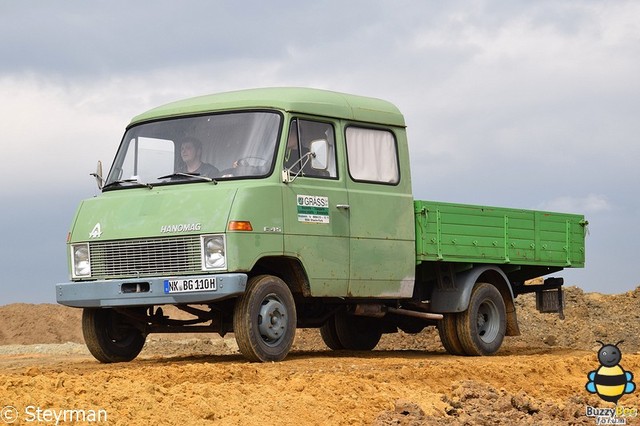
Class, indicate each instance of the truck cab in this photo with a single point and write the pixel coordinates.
(264, 210)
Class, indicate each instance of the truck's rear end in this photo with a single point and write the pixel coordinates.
(465, 252)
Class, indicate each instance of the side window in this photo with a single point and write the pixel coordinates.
(301, 134)
(372, 155)
(292, 154)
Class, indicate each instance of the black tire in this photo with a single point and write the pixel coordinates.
(409, 325)
(264, 319)
(110, 336)
(357, 333)
(449, 334)
(481, 328)
(329, 334)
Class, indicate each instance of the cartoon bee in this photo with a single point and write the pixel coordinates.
(610, 381)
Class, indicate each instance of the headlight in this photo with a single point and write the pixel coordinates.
(214, 256)
(80, 261)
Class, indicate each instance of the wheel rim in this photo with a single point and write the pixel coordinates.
(120, 334)
(488, 321)
(272, 320)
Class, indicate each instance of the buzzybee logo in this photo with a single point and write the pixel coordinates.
(610, 381)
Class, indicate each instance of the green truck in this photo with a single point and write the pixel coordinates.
(265, 210)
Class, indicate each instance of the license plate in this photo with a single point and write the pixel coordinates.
(185, 285)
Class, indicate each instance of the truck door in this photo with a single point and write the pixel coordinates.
(316, 216)
(382, 223)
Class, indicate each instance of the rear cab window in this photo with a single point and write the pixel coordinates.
(372, 155)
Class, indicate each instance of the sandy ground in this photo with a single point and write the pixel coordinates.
(537, 378)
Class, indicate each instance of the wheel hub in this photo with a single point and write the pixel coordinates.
(488, 321)
(272, 320)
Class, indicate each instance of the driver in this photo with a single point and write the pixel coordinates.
(191, 152)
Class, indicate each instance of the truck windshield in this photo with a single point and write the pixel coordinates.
(209, 147)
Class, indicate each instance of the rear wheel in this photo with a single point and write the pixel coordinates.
(481, 328)
(329, 334)
(110, 336)
(449, 334)
(357, 333)
(264, 319)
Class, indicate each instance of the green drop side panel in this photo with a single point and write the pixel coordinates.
(479, 234)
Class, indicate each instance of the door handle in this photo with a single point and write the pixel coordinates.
(343, 206)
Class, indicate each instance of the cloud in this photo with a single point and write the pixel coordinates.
(107, 37)
(59, 129)
(592, 203)
(517, 103)
(53, 133)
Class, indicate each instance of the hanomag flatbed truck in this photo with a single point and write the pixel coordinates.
(265, 210)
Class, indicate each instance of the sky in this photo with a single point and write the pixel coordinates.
(521, 104)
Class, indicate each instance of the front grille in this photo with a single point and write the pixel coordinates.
(148, 257)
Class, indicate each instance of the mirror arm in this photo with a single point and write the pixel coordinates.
(286, 173)
(98, 178)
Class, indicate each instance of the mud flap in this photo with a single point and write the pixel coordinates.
(550, 300)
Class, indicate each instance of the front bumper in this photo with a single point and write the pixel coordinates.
(150, 291)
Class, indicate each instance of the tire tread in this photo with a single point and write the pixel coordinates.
(448, 332)
(94, 331)
(246, 329)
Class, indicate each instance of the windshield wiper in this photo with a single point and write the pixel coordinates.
(120, 182)
(189, 175)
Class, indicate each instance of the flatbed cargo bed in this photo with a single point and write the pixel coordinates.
(451, 232)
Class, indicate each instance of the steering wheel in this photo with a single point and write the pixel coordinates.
(251, 161)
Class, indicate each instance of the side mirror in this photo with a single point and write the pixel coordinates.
(319, 154)
(98, 175)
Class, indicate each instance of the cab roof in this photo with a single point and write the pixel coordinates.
(290, 99)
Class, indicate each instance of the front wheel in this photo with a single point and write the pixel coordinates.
(111, 336)
(481, 328)
(264, 319)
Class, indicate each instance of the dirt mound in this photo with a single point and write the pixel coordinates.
(27, 324)
(588, 317)
(471, 402)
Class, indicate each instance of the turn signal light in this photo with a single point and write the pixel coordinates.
(240, 225)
